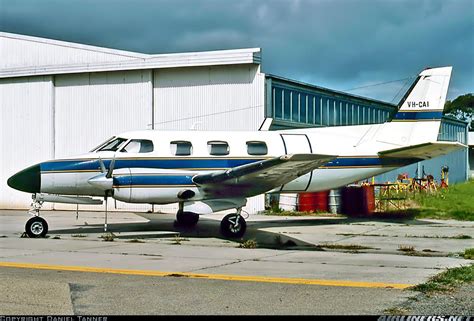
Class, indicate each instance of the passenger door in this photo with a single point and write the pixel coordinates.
(297, 144)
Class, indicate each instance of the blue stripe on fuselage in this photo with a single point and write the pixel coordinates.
(209, 163)
(368, 162)
(84, 165)
(153, 180)
(420, 115)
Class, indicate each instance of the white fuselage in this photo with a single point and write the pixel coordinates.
(158, 176)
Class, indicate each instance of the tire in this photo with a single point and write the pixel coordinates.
(36, 227)
(187, 218)
(230, 229)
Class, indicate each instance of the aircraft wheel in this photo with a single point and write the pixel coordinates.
(36, 227)
(233, 225)
(187, 218)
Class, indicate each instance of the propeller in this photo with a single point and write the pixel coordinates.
(104, 181)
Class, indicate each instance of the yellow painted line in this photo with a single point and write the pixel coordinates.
(242, 278)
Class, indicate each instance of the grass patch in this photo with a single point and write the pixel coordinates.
(462, 237)
(396, 311)
(177, 240)
(362, 234)
(351, 247)
(469, 254)
(455, 202)
(447, 281)
(78, 235)
(108, 237)
(456, 237)
(248, 244)
(406, 248)
(411, 251)
(293, 213)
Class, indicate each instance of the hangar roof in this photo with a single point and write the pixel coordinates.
(52, 57)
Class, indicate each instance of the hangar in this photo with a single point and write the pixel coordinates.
(59, 98)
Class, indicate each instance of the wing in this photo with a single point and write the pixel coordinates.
(259, 177)
(422, 151)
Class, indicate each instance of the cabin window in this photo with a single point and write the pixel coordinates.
(112, 145)
(257, 148)
(218, 148)
(181, 148)
(138, 146)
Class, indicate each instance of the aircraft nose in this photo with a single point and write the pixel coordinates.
(27, 180)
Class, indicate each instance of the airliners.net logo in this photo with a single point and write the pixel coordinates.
(424, 318)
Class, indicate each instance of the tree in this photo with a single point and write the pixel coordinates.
(462, 108)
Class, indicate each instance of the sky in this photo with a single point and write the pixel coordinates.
(338, 44)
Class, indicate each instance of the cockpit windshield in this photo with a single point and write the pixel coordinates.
(111, 145)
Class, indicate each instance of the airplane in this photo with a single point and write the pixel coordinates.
(211, 171)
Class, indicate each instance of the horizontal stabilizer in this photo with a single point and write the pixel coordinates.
(423, 151)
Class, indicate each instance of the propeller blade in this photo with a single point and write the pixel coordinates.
(102, 166)
(111, 168)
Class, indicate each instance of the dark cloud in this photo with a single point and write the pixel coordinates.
(337, 44)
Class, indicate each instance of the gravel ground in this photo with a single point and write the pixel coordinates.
(458, 302)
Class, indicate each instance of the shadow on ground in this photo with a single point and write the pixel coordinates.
(209, 228)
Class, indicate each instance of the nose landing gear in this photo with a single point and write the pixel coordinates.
(36, 226)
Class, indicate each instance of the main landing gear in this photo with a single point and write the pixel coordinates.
(233, 225)
(36, 226)
(187, 219)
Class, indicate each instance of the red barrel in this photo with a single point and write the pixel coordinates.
(313, 202)
(368, 196)
(358, 200)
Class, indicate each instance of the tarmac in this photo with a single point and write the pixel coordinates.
(300, 265)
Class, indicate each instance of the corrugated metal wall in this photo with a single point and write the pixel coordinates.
(26, 128)
(209, 98)
(89, 108)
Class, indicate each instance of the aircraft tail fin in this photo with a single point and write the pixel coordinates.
(420, 111)
(424, 101)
